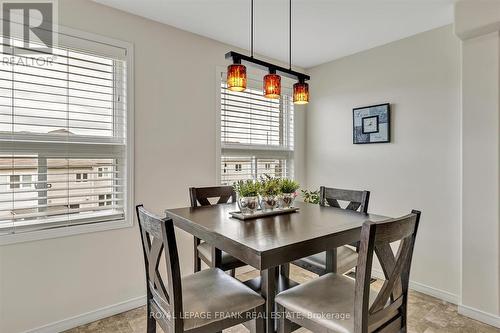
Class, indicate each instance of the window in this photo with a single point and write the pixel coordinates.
(14, 181)
(26, 181)
(63, 123)
(82, 177)
(256, 134)
(105, 200)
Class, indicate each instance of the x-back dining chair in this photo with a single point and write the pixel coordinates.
(200, 196)
(335, 303)
(207, 301)
(346, 255)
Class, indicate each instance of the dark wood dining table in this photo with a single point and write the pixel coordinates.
(269, 242)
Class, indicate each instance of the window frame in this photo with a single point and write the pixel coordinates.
(268, 152)
(103, 225)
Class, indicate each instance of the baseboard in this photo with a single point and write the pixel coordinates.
(89, 317)
(479, 315)
(425, 289)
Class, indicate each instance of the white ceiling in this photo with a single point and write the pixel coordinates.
(322, 30)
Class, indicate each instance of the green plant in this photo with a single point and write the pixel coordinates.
(288, 185)
(269, 185)
(311, 196)
(247, 188)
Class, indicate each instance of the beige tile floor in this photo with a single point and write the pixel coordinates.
(426, 315)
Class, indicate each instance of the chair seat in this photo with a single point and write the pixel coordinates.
(322, 299)
(205, 250)
(347, 258)
(213, 292)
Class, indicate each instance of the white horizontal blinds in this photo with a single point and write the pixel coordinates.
(63, 138)
(74, 93)
(59, 191)
(251, 119)
(257, 134)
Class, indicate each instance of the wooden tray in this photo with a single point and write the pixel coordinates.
(259, 213)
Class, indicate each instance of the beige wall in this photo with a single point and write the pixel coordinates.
(420, 168)
(175, 136)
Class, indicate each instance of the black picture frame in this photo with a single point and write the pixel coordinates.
(363, 124)
(384, 113)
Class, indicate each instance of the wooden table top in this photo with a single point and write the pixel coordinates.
(310, 227)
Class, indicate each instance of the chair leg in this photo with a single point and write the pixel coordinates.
(233, 272)
(285, 270)
(197, 260)
(284, 325)
(151, 323)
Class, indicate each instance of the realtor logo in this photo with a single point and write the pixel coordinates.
(28, 27)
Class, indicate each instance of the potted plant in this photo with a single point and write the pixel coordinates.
(248, 195)
(311, 196)
(269, 191)
(288, 189)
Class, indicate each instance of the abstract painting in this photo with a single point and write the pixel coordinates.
(371, 124)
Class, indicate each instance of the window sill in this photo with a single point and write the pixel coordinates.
(64, 231)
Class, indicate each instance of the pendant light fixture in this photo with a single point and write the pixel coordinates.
(237, 73)
(236, 77)
(301, 88)
(272, 85)
(300, 93)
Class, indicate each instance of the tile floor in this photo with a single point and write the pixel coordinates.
(426, 315)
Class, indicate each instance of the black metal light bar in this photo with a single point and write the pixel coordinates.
(238, 58)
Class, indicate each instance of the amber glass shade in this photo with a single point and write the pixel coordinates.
(300, 93)
(236, 77)
(272, 86)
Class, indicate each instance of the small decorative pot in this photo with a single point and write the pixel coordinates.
(248, 205)
(287, 199)
(268, 202)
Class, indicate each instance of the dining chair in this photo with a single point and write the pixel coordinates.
(347, 256)
(203, 302)
(201, 196)
(335, 303)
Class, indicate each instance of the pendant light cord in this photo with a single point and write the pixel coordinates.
(251, 27)
(290, 33)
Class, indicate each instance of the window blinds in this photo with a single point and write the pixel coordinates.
(63, 138)
(257, 134)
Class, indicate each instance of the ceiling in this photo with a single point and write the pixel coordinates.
(322, 30)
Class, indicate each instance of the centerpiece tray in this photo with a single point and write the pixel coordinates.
(260, 213)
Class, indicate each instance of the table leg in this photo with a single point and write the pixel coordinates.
(268, 290)
(216, 257)
(331, 261)
(285, 270)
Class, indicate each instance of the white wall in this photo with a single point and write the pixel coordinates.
(481, 125)
(478, 25)
(420, 168)
(175, 135)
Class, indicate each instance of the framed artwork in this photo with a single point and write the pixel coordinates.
(371, 124)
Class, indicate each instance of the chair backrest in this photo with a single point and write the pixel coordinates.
(357, 200)
(158, 238)
(201, 195)
(387, 312)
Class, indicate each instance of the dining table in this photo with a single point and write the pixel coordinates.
(269, 243)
